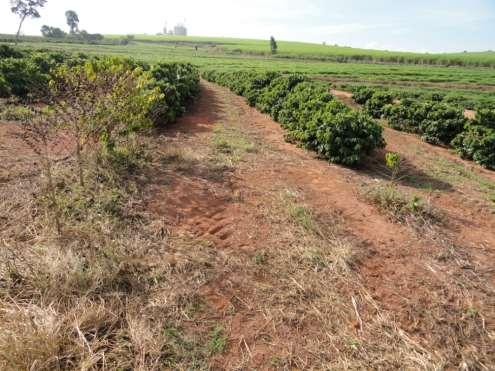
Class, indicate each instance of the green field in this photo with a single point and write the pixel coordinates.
(291, 49)
(413, 72)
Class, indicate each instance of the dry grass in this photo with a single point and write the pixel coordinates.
(311, 290)
(11, 112)
(103, 293)
(231, 144)
(403, 208)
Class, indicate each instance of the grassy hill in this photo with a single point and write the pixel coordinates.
(325, 52)
(300, 50)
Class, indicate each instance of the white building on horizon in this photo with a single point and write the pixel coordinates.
(180, 30)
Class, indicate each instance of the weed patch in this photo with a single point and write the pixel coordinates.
(402, 208)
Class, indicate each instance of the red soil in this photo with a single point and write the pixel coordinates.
(398, 266)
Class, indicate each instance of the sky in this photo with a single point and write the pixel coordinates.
(414, 25)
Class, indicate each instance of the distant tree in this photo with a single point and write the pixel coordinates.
(273, 45)
(127, 40)
(53, 32)
(25, 9)
(72, 21)
(92, 38)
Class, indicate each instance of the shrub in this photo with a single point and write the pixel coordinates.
(4, 88)
(374, 106)
(16, 113)
(405, 116)
(256, 85)
(442, 124)
(437, 123)
(346, 137)
(272, 97)
(303, 119)
(477, 143)
(179, 84)
(9, 52)
(22, 77)
(27, 73)
(361, 94)
(486, 117)
(301, 103)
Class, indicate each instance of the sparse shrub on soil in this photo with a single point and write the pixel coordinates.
(402, 208)
(309, 112)
(15, 113)
(394, 162)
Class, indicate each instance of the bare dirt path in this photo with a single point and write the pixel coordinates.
(226, 172)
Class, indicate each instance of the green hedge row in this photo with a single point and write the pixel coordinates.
(436, 121)
(362, 93)
(179, 84)
(477, 141)
(26, 74)
(308, 112)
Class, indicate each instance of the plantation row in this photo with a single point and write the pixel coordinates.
(436, 122)
(31, 76)
(389, 58)
(310, 114)
(469, 99)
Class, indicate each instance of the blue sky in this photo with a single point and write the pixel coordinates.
(420, 25)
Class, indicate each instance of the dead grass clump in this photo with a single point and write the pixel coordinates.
(402, 208)
(101, 295)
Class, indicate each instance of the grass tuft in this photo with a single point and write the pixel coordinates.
(402, 208)
(218, 341)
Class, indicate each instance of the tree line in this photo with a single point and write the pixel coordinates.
(25, 9)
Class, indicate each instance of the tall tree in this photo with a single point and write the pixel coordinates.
(25, 9)
(72, 21)
(53, 32)
(273, 45)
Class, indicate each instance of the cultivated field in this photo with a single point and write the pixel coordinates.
(474, 84)
(164, 206)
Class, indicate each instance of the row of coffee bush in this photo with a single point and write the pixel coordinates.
(310, 114)
(436, 122)
(26, 75)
